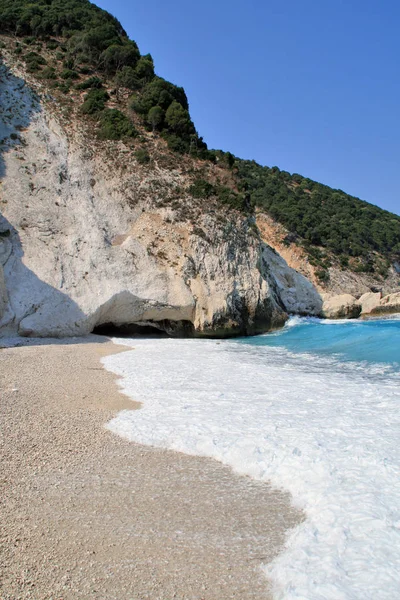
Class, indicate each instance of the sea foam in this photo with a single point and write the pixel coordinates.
(328, 435)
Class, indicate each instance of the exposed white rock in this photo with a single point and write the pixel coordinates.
(86, 246)
(297, 294)
(369, 301)
(343, 306)
(327, 295)
(389, 304)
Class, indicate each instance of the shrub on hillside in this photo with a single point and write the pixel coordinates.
(52, 44)
(127, 78)
(201, 189)
(114, 125)
(178, 119)
(158, 93)
(92, 82)
(233, 199)
(34, 61)
(49, 73)
(69, 74)
(95, 101)
(145, 68)
(117, 56)
(142, 156)
(155, 118)
(176, 144)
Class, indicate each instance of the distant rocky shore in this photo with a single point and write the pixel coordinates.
(371, 304)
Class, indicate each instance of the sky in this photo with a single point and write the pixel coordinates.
(310, 86)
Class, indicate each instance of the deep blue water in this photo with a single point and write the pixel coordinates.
(374, 341)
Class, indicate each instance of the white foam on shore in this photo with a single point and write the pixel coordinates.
(330, 438)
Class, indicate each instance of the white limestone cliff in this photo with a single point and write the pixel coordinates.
(84, 241)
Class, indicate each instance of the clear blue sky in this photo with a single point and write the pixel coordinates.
(311, 86)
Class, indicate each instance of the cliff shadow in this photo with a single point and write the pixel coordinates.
(18, 105)
(33, 307)
(26, 294)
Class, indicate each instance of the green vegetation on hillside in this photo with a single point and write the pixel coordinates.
(65, 18)
(114, 125)
(319, 214)
(92, 38)
(88, 52)
(202, 189)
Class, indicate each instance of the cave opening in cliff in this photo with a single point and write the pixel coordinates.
(128, 330)
(164, 328)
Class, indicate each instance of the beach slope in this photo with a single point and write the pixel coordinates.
(85, 514)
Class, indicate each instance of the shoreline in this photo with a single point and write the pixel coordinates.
(304, 421)
(86, 514)
(17, 341)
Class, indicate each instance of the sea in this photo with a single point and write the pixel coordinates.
(314, 409)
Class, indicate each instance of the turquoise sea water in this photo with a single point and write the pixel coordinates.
(372, 341)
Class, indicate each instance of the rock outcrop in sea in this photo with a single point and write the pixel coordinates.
(389, 304)
(343, 306)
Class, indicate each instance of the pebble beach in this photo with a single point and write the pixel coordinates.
(86, 514)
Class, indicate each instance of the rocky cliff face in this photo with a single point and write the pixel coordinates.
(87, 238)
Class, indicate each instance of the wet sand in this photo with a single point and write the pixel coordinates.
(85, 514)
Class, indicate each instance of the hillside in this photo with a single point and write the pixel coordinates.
(84, 48)
(140, 164)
